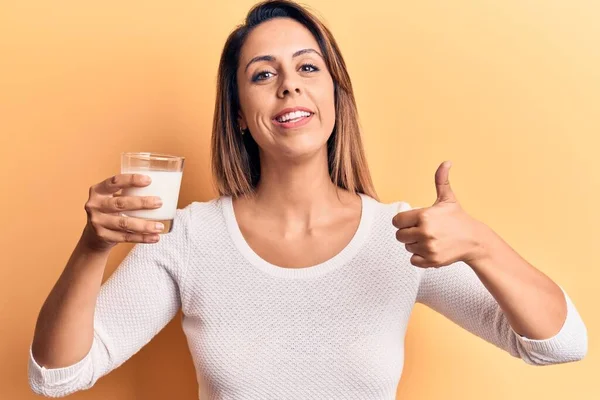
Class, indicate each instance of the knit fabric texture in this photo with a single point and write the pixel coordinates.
(257, 331)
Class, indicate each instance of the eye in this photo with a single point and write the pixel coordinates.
(261, 76)
(308, 68)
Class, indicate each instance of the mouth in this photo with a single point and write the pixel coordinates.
(293, 118)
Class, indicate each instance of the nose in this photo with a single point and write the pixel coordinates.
(290, 86)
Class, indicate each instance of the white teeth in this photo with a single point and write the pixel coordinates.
(293, 115)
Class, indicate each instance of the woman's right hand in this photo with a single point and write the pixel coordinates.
(106, 225)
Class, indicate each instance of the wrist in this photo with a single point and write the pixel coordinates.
(88, 244)
(484, 241)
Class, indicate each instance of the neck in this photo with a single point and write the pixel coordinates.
(299, 190)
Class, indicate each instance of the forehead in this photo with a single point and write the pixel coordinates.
(278, 37)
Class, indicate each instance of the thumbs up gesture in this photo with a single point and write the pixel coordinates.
(442, 234)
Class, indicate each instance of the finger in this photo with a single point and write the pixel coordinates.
(419, 261)
(406, 219)
(118, 182)
(417, 248)
(127, 237)
(113, 205)
(442, 183)
(414, 248)
(125, 223)
(409, 235)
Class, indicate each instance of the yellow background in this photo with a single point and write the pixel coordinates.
(509, 91)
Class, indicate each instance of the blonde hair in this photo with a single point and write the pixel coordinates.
(235, 157)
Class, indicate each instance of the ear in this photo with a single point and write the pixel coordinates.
(242, 121)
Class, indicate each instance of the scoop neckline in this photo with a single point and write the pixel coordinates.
(338, 260)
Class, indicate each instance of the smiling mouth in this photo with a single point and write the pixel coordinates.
(293, 116)
(293, 119)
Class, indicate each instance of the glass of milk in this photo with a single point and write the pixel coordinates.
(166, 172)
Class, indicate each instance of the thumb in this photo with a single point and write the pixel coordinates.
(442, 184)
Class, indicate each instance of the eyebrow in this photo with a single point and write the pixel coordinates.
(272, 58)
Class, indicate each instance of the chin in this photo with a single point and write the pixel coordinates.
(302, 149)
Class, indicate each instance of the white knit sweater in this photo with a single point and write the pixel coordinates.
(257, 331)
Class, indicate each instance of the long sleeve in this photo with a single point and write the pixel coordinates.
(133, 305)
(456, 292)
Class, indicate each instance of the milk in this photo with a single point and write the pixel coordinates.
(165, 184)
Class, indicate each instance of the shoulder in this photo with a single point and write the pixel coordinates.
(384, 209)
(204, 217)
(382, 244)
(202, 208)
(378, 216)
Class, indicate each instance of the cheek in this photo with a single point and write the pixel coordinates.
(254, 103)
(327, 104)
(248, 99)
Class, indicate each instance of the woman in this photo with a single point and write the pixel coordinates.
(295, 282)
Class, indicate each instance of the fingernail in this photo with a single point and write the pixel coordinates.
(159, 226)
(158, 201)
(146, 179)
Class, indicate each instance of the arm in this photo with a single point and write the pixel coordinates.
(65, 328)
(79, 339)
(458, 293)
(474, 278)
(534, 305)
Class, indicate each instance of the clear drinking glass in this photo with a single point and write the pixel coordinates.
(166, 172)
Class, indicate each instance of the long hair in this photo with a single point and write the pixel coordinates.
(235, 157)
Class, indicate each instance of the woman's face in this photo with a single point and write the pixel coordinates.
(281, 70)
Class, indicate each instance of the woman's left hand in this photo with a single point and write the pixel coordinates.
(443, 233)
